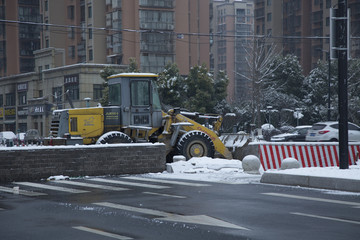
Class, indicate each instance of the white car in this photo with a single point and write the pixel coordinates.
(6, 136)
(296, 135)
(329, 131)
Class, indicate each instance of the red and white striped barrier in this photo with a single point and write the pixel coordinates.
(308, 154)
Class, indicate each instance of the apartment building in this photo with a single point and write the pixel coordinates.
(27, 100)
(76, 39)
(18, 41)
(77, 26)
(113, 31)
(232, 25)
(303, 27)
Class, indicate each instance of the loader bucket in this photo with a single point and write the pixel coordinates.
(235, 142)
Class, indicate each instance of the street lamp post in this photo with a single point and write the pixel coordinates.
(329, 87)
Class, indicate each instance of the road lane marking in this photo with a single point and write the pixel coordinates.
(164, 195)
(168, 181)
(132, 209)
(90, 185)
(128, 183)
(326, 218)
(22, 192)
(313, 199)
(164, 216)
(102, 233)
(49, 187)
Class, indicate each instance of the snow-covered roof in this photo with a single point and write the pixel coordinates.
(133, 74)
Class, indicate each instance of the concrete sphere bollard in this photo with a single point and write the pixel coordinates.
(289, 163)
(251, 164)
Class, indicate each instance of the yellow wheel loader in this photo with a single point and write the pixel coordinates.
(134, 115)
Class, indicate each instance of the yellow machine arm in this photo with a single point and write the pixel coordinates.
(179, 118)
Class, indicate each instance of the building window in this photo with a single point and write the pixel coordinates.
(22, 98)
(1, 100)
(269, 17)
(71, 32)
(71, 51)
(240, 15)
(97, 91)
(328, 3)
(157, 3)
(89, 12)
(269, 2)
(73, 91)
(73, 124)
(82, 12)
(163, 20)
(151, 62)
(47, 43)
(90, 33)
(71, 12)
(46, 4)
(57, 94)
(71, 83)
(154, 42)
(91, 57)
(40, 72)
(10, 99)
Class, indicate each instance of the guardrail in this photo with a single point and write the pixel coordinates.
(309, 154)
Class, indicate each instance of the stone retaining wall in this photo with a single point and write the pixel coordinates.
(35, 163)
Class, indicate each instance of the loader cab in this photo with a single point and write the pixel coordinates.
(137, 96)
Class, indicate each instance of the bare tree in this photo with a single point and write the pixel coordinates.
(260, 55)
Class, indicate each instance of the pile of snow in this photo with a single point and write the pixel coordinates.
(206, 165)
(209, 170)
(231, 171)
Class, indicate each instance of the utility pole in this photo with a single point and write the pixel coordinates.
(329, 88)
(342, 49)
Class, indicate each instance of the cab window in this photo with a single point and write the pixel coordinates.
(140, 93)
(115, 94)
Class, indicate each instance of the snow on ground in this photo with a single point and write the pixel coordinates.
(231, 171)
(223, 170)
(334, 172)
(209, 170)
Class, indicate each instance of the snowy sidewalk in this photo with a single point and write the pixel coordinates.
(231, 172)
(316, 177)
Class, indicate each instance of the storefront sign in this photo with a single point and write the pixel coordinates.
(40, 109)
(10, 113)
(1, 112)
(22, 111)
(21, 87)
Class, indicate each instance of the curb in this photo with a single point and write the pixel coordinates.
(339, 184)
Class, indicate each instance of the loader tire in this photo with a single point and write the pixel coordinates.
(195, 144)
(114, 137)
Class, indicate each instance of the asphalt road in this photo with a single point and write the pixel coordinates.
(133, 208)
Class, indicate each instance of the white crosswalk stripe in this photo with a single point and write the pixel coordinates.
(90, 185)
(102, 233)
(49, 187)
(192, 184)
(128, 183)
(164, 195)
(21, 192)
